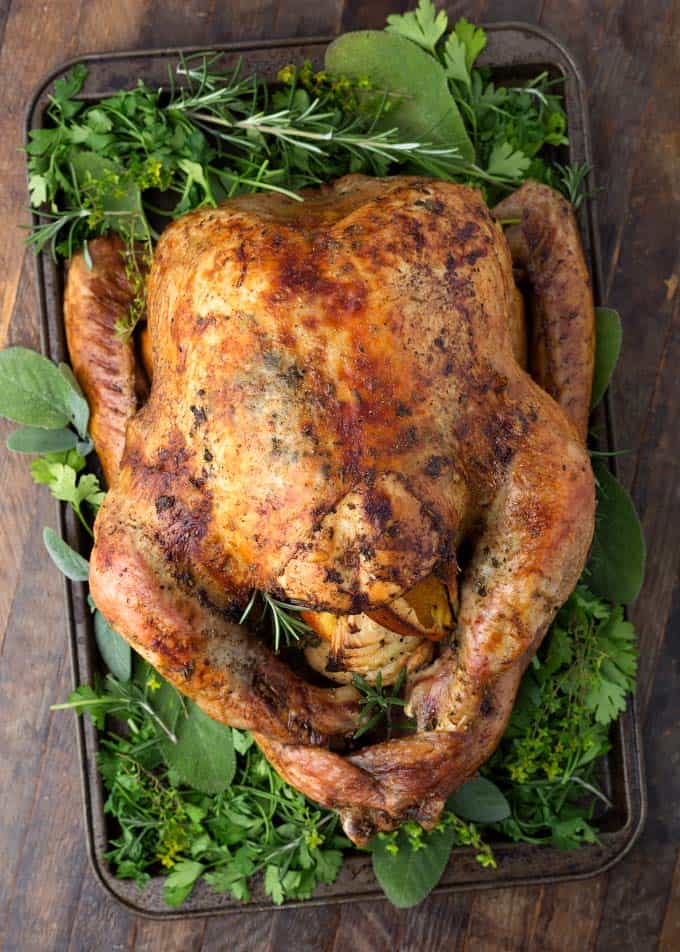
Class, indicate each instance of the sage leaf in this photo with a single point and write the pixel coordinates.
(167, 703)
(422, 107)
(616, 566)
(203, 756)
(67, 560)
(180, 881)
(608, 334)
(480, 801)
(34, 439)
(35, 392)
(80, 412)
(408, 876)
(114, 649)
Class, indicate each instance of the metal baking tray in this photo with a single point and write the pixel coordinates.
(518, 51)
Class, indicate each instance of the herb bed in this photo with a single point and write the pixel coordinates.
(516, 52)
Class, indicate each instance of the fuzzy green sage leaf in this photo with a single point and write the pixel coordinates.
(35, 439)
(203, 756)
(67, 560)
(33, 391)
(479, 800)
(114, 649)
(616, 566)
(407, 875)
(608, 334)
(423, 108)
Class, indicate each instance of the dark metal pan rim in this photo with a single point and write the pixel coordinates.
(587, 860)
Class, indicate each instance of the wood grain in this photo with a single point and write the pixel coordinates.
(49, 899)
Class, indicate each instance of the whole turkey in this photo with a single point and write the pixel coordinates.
(339, 417)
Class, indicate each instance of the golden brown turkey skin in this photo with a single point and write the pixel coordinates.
(547, 243)
(96, 298)
(335, 407)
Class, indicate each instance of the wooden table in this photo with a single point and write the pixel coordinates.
(628, 50)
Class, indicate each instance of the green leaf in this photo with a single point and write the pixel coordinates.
(85, 699)
(34, 392)
(181, 881)
(508, 163)
(272, 884)
(68, 561)
(37, 189)
(423, 25)
(120, 193)
(455, 60)
(572, 832)
(616, 567)
(608, 334)
(243, 741)
(70, 84)
(463, 46)
(203, 756)
(425, 110)
(479, 800)
(473, 39)
(166, 702)
(33, 439)
(114, 649)
(409, 875)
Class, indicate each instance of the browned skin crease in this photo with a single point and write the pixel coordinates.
(335, 406)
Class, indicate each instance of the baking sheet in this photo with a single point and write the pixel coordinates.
(517, 52)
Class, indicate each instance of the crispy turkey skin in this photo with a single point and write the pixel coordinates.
(336, 413)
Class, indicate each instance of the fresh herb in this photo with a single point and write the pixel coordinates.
(36, 392)
(546, 765)
(69, 562)
(608, 335)
(377, 702)
(284, 618)
(572, 180)
(507, 127)
(255, 824)
(213, 135)
(409, 862)
(479, 800)
(423, 25)
(115, 650)
(60, 472)
(616, 568)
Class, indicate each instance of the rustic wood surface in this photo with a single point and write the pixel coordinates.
(629, 53)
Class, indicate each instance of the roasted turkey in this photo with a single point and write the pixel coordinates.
(339, 417)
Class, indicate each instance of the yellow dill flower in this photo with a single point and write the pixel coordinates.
(286, 75)
(153, 683)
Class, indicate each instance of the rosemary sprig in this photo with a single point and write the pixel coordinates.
(376, 703)
(286, 624)
(572, 181)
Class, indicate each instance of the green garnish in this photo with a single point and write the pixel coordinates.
(377, 702)
(284, 618)
(247, 820)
